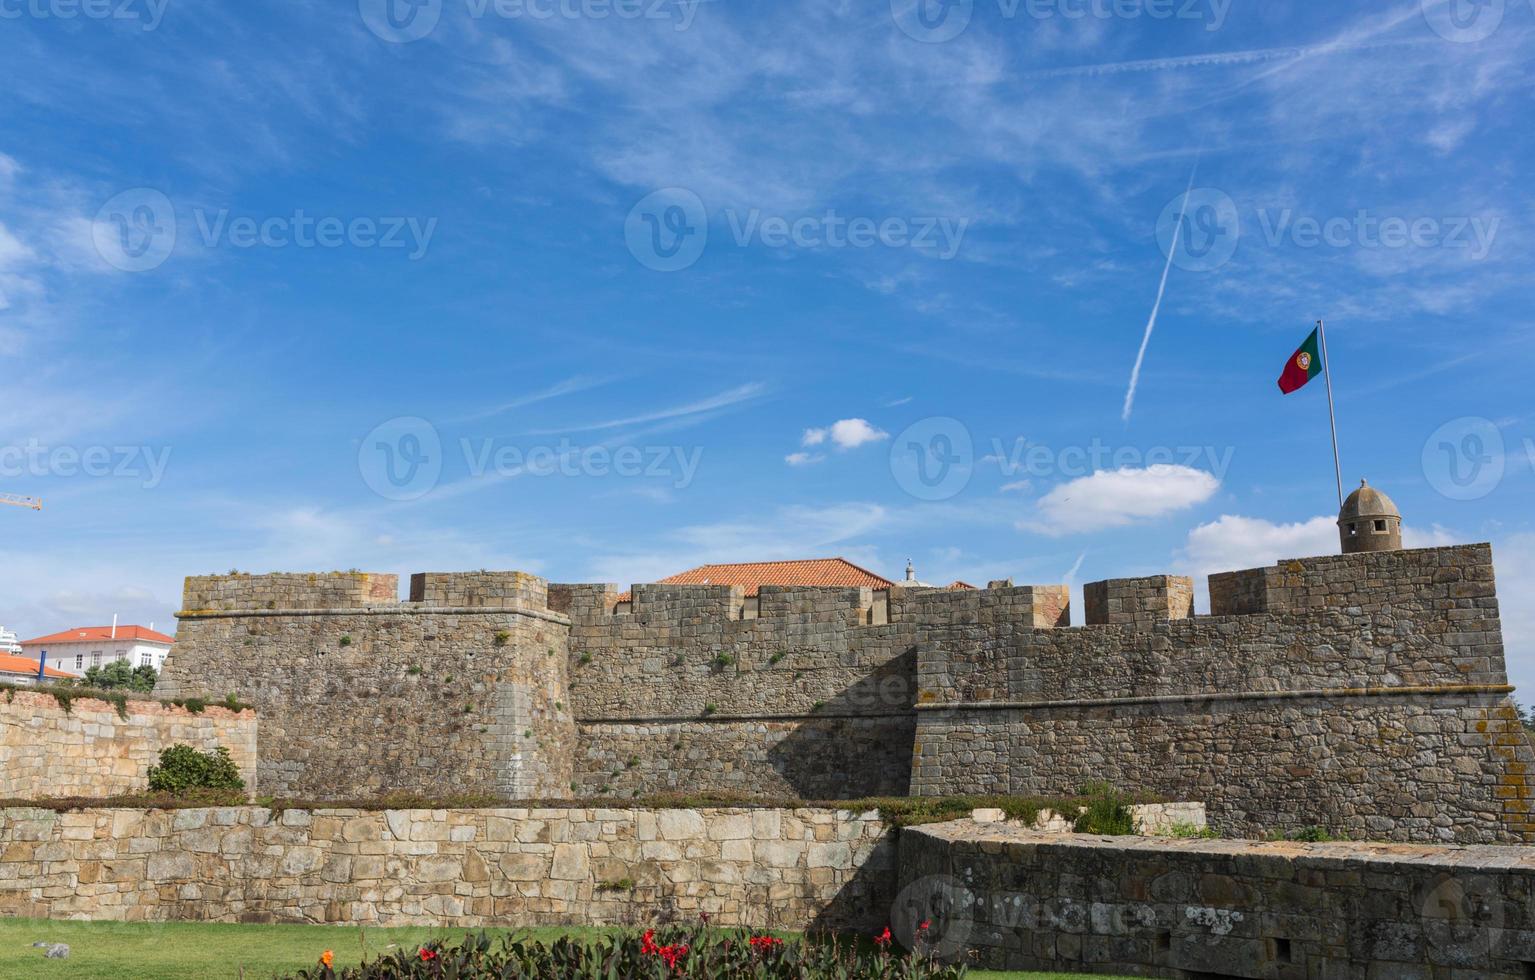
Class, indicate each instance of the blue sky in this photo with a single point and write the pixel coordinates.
(604, 297)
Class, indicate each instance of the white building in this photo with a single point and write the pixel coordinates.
(8, 644)
(75, 651)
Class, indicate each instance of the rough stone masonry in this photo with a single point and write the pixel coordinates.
(1366, 694)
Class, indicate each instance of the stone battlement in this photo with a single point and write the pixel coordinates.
(1364, 692)
(1368, 581)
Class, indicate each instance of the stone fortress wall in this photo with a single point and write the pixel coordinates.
(90, 750)
(1002, 897)
(1365, 693)
(767, 868)
(461, 690)
(1362, 693)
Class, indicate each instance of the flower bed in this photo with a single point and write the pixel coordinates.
(701, 952)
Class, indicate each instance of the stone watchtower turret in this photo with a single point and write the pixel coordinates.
(1369, 521)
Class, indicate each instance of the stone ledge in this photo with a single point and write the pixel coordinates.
(401, 609)
(1445, 690)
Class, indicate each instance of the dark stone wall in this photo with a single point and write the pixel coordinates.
(1006, 899)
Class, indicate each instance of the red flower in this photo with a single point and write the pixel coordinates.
(883, 939)
(923, 925)
(428, 955)
(648, 943)
(764, 943)
(672, 955)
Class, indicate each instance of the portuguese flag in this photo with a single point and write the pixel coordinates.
(1304, 364)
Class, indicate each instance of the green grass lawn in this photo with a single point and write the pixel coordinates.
(213, 951)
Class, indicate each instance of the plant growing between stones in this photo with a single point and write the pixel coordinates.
(1107, 811)
(346, 640)
(503, 638)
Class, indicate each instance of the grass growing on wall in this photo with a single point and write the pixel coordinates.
(216, 951)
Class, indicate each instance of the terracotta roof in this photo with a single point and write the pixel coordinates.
(957, 586)
(25, 665)
(826, 572)
(103, 634)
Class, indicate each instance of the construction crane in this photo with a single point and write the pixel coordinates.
(17, 500)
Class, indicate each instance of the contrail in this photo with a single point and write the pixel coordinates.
(1151, 323)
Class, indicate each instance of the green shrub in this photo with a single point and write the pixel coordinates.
(706, 954)
(1188, 831)
(120, 676)
(1105, 811)
(183, 769)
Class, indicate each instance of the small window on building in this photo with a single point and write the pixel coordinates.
(1380, 527)
(95, 658)
(146, 659)
(79, 661)
(1353, 530)
(122, 655)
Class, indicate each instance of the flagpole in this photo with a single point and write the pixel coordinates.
(1332, 415)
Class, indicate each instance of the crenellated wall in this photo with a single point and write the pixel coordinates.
(1364, 693)
(1370, 699)
(462, 691)
(806, 693)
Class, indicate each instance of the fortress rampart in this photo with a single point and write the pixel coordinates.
(462, 691)
(1365, 693)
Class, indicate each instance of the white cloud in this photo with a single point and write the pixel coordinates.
(1018, 486)
(1232, 542)
(1116, 498)
(845, 434)
(804, 459)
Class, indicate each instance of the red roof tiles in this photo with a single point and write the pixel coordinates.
(103, 634)
(10, 664)
(826, 572)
